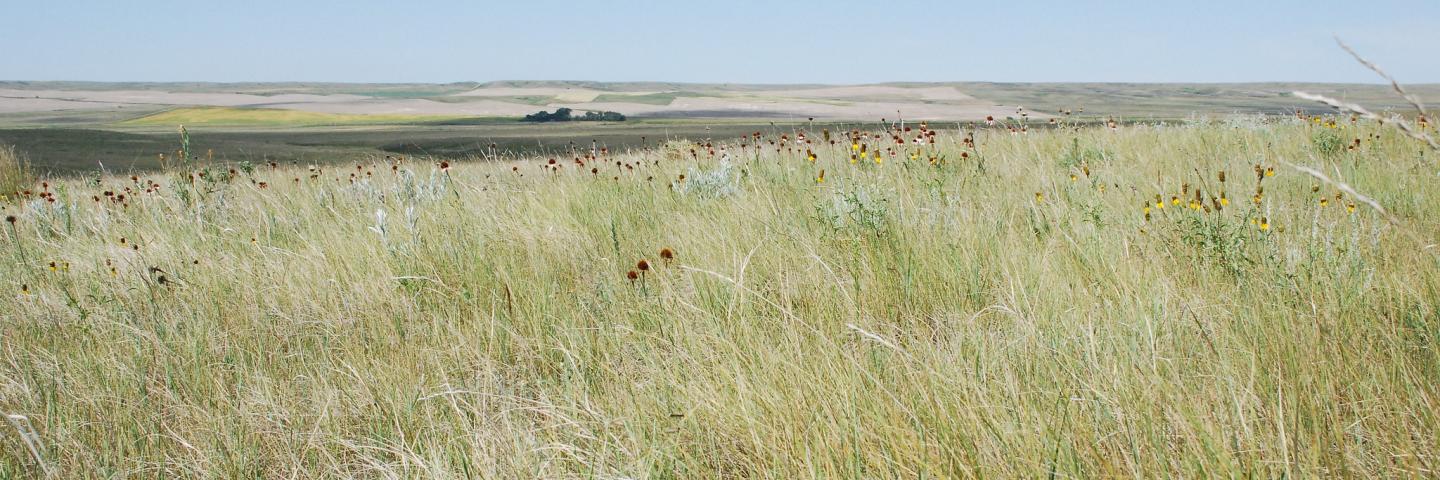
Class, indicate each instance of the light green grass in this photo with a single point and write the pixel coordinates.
(264, 117)
(901, 320)
(662, 98)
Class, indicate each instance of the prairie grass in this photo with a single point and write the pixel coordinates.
(15, 172)
(1013, 306)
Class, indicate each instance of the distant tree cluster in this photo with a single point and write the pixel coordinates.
(566, 115)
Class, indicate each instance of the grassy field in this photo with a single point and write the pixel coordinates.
(1155, 301)
(71, 150)
(1152, 101)
(650, 98)
(269, 117)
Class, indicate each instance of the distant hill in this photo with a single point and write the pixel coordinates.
(26, 101)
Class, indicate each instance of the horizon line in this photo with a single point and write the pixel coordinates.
(478, 83)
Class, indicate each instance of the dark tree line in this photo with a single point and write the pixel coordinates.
(566, 115)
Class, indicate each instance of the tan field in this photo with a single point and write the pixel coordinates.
(931, 101)
(863, 102)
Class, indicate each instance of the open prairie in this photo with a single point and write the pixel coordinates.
(1148, 299)
(755, 239)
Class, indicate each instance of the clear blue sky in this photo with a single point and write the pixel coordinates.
(837, 41)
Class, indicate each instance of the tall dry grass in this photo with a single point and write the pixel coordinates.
(1006, 313)
(15, 172)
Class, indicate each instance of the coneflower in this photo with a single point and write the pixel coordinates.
(632, 276)
(642, 265)
(667, 255)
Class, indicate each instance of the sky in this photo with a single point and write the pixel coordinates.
(734, 41)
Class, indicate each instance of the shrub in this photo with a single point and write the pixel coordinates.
(1327, 142)
(855, 207)
(715, 183)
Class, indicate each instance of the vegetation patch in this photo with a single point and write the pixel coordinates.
(268, 117)
(662, 98)
(567, 115)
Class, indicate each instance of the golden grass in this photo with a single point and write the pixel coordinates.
(1007, 314)
(264, 117)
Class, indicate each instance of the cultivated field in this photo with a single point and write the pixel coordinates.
(1156, 300)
